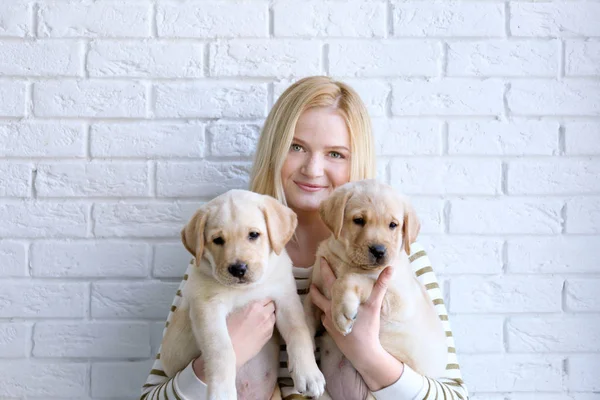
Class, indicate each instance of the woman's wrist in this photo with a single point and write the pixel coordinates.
(379, 369)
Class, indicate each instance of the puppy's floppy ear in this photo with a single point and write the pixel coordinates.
(281, 223)
(192, 235)
(332, 210)
(411, 227)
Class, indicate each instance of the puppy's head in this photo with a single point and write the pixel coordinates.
(236, 233)
(372, 222)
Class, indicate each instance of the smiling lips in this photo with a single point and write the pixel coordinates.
(308, 187)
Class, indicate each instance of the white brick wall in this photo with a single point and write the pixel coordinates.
(118, 119)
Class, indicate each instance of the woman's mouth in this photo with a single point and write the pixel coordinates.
(308, 187)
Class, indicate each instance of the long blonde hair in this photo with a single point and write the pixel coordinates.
(278, 131)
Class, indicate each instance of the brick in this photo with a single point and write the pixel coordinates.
(503, 138)
(582, 374)
(374, 94)
(553, 334)
(14, 20)
(431, 214)
(90, 20)
(14, 340)
(555, 396)
(15, 179)
(212, 19)
(36, 299)
(12, 101)
(582, 138)
(170, 260)
(505, 294)
(210, 100)
(448, 97)
(133, 300)
(381, 172)
(502, 58)
(465, 255)
(13, 256)
(383, 59)
(41, 139)
(542, 97)
(41, 219)
(91, 179)
(509, 216)
(119, 378)
(210, 178)
(265, 58)
(556, 177)
(43, 378)
(562, 254)
(583, 215)
(446, 176)
(581, 295)
(91, 339)
(147, 140)
(582, 58)
(89, 259)
(397, 137)
(156, 335)
(476, 334)
(40, 58)
(416, 18)
(554, 19)
(232, 140)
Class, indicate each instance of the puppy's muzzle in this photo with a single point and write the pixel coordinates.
(378, 253)
(238, 270)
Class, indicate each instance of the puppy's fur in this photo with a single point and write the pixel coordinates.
(238, 242)
(373, 228)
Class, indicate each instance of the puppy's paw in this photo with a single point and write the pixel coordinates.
(309, 381)
(344, 317)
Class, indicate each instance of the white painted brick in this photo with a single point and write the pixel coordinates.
(145, 140)
(430, 213)
(41, 219)
(583, 215)
(583, 372)
(170, 260)
(15, 179)
(465, 255)
(231, 140)
(582, 138)
(211, 19)
(554, 19)
(542, 97)
(12, 101)
(445, 19)
(265, 58)
(146, 299)
(145, 59)
(119, 379)
(41, 139)
(92, 179)
(446, 176)
(40, 58)
(382, 174)
(554, 396)
(12, 256)
(519, 373)
(142, 219)
(14, 19)
(87, 98)
(505, 294)
(328, 19)
(89, 259)
(503, 138)
(210, 100)
(91, 339)
(407, 137)
(448, 97)
(553, 177)
(373, 93)
(582, 58)
(503, 58)
(104, 19)
(562, 254)
(506, 216)
(555, 334)
(156, 335)
(44, 379)
(582, 294)
(38, 299)
(382, 59)
(201, 179)
(477, 334)
(14, 340)
(486, 396)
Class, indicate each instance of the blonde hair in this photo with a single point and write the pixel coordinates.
(278, 131)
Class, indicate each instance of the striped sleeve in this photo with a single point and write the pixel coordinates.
(412, 385)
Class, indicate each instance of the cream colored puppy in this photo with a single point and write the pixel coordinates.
(238, 242)
(372, 228)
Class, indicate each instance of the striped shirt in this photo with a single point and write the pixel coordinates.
(411, 385)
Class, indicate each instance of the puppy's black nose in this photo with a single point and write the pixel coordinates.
(237, 270)
(378, 251)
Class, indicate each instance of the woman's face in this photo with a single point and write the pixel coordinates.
(318, 160)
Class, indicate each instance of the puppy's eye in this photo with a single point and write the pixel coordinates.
(359, 221)
(253, 235)
(393, 225)
(219, 241)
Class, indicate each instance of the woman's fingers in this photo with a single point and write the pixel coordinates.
(380, 288)
(327, 274)
(318, 299)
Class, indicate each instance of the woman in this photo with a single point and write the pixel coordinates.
(316, 138)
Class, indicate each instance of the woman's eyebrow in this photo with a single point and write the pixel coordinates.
(302, 142)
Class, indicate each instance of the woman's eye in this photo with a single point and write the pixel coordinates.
(335, 154)
(393, 225)
(253, 235)
(296, 147)
(359, 221)
(219, 241)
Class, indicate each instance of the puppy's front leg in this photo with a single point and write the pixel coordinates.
(347, 294)
(209, 323)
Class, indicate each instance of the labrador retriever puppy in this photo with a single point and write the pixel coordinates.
(238, 242)
(372, 227)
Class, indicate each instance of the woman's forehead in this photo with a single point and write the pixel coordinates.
(324, 126)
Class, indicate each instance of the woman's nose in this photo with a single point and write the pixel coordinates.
(313, 166)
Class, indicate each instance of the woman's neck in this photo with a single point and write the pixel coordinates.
(310, 232)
